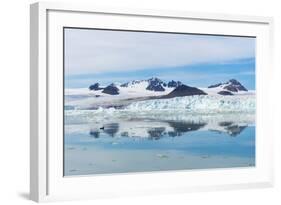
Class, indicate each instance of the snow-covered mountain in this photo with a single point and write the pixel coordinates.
(152, 84)
(149, 87)
(229, 88)
(154, 89)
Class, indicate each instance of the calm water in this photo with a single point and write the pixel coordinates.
(129, 144)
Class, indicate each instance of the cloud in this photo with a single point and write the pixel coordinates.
(99, 51)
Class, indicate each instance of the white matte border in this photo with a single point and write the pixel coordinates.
(58, 187)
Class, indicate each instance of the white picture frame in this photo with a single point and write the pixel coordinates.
(46, 181)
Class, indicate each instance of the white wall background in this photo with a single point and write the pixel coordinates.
(14, 101)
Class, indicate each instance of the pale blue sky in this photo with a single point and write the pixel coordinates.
(120, 56)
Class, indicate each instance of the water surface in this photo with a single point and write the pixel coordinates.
(123, 143)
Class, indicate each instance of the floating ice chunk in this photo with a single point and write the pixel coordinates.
(162, 156)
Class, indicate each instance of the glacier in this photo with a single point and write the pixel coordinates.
(211, 110)
(199, 104)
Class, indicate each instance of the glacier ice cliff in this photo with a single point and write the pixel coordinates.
(199, 104)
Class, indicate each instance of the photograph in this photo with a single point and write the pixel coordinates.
(149, 101)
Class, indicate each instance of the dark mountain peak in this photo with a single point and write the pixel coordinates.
(111, 89)
(234, 81)
(184, 90)
(232, 85)
(155, 84)
(174, 84)
(95, 86)
(187, 88)
(215, 85)
(155, 79)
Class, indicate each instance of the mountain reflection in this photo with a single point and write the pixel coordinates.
(95, 134)
(111, 129)
(155, 130)
(179, 128)
(232, 129)
(182, 127)
(156, 133)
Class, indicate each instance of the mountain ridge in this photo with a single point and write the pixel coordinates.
(231, 85)
(169, 89)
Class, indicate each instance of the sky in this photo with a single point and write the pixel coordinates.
(107, 56)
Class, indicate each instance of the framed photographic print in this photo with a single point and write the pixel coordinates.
(128, 102)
